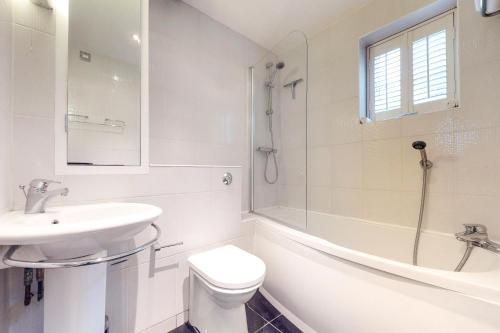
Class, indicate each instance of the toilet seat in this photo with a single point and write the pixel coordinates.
(229, 268)
(220, 290)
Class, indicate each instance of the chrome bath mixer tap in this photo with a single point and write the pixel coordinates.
(477, 235)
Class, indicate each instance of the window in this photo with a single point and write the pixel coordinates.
(413, 71)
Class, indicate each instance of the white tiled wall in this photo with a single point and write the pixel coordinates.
(371, 171)
(5, 106)
(6, 140)
(289, 126)
(115, 87)
(191, 115)
(198, 89)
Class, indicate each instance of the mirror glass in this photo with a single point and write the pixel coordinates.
(104, 82)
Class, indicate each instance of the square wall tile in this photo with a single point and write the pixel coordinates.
(346, 127)
(33, 69)
(319, 169)
(443, 151)
(320, 199)
(379, 130)
(393, 207)
(478, 162)
(5, 11)
(347, 202)
(34, 152)
(32, 16)
(347, 165)
(382, 164)
(151, 293)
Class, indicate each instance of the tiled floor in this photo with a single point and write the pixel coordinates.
(262, 317)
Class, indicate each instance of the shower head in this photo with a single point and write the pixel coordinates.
(279, 66)
(272, 75)
(424, 162)
(419, 145)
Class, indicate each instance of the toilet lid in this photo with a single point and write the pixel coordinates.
(229, 267)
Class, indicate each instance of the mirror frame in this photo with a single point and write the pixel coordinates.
(61, 8)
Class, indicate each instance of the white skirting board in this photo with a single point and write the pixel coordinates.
(287, 313)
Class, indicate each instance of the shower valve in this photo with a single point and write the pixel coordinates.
(227, 179)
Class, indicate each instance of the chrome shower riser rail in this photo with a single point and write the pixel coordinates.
(71, 263)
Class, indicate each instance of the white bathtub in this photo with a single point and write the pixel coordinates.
(356, 277)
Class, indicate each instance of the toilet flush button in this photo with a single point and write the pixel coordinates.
(227, 179)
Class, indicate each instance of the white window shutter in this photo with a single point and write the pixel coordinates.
(386, 76)
(432, 80)
(430, 68)
(414, 71)
(387, 81)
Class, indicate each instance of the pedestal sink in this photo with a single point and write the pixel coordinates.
(62, 239)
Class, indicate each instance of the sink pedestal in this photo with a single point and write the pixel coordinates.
(63, 241)
(75, 299)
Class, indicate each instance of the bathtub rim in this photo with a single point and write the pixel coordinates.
(484, 286)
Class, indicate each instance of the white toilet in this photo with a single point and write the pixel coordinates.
(222, 280)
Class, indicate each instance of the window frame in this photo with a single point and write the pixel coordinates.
(405, 39)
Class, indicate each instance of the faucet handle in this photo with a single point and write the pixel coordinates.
(22, 188)
(475, 228)
(42, 183)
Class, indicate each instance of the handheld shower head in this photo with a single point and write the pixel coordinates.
(420, 146)
(272, 72)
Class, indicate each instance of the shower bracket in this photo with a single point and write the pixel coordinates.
(292, 85)
(267, 150)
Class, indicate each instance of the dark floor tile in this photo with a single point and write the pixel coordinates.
(262, 306)
(268, 329)
(186, 328)
(285, 325)
(254, 321)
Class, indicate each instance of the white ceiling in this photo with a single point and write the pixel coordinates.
(266, 22)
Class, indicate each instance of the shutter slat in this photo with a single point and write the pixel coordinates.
(387, 81)
(430, 68)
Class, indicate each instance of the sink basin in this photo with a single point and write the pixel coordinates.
(76, 230)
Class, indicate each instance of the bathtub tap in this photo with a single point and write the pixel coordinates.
(477, 235)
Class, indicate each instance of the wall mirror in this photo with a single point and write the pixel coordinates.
(101, 86)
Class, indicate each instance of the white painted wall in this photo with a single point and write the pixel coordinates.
(371, 171)
(198, 108)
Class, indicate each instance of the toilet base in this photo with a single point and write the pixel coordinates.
(215, 311)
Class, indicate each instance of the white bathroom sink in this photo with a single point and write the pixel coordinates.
(76, 230)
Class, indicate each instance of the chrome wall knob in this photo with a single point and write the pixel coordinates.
(227, 179)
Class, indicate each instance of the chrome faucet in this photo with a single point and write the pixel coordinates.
(477, 235)
(37, 195)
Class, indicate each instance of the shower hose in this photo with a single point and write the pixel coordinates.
(269, 180)
(420, 215)
(466, 256)
(469, 248)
